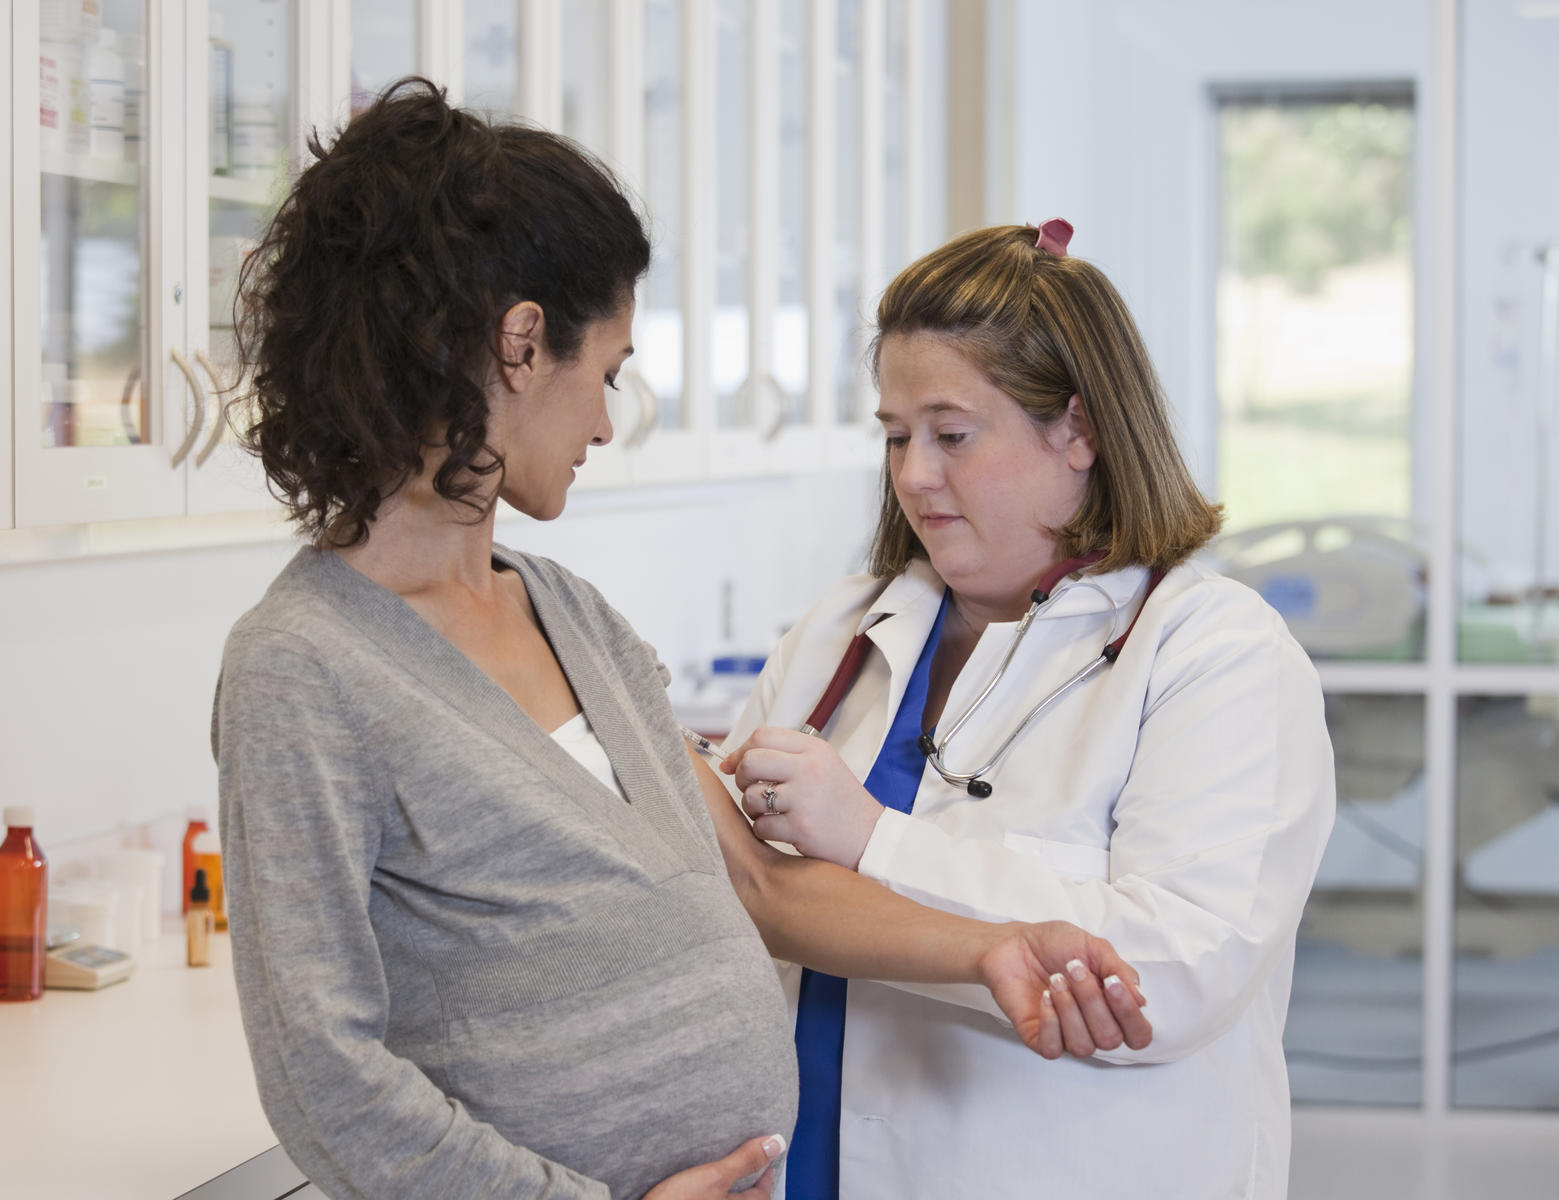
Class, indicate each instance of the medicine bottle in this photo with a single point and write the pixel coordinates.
(24, 889)
(208, 858)
(197, 826)
(199, 921)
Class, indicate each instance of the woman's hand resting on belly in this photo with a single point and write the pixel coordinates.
(713, 1181)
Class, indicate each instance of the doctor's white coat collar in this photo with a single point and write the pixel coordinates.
(917, 591)
(899, 621)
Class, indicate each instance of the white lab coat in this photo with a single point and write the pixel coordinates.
(1176, 804)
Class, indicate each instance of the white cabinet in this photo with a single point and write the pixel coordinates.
(773, 143)
(773, 231)
(6, 362)
(239, 139)
(149, 144)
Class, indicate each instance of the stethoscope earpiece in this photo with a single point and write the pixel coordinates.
(977, 788)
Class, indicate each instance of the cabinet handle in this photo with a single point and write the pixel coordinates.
(200, 408)
(770, 387)
(127, 420)
(220, 423)
(649, 407)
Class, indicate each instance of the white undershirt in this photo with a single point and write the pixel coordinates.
(576, 736)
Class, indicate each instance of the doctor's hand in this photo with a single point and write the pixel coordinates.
(1064, 989)
(798, 790)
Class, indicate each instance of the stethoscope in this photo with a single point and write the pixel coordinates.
(936, 751)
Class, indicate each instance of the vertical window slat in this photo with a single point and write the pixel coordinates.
(821, 42)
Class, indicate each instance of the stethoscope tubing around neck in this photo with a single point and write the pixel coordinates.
(1039, 598)
(935, 750)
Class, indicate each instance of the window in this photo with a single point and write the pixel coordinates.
(1315, 304)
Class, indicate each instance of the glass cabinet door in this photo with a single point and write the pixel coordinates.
(584, 116)
(490, 68)
(384, 46)
(93, 211)
(730, 333)
(99, 425)
(791, 363)
(658, 342)
(251, 115)
(849, 150)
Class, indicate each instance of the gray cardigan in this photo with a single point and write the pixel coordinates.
(466, 968)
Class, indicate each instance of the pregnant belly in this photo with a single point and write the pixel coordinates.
(674, 1065)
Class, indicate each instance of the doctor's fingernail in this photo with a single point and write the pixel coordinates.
(1058, 981)
(1113, 985)
(774, 1146)
(1076, 970)
(1044, 998)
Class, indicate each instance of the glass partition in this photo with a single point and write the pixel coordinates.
(1355, 1020)
(1505, 1015)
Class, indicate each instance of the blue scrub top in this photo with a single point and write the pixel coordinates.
(812, 1168)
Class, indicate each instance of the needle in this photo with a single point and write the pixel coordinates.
(703, 745)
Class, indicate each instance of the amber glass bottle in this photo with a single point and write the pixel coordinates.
(197, 826)
(24, 889)
(208, 858)
(199, 922)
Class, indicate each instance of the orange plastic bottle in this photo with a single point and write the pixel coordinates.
(24, 891)
(197, 826)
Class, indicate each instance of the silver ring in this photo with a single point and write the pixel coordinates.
(768, 798)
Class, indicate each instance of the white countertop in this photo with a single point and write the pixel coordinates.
(140, 1091)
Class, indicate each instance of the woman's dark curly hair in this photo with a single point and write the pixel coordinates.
(370, 312)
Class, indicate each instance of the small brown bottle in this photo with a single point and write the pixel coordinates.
(199, 922)
(24, 890)
(208, 856)
(197, 826)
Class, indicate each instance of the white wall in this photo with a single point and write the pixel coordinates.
(107, 662)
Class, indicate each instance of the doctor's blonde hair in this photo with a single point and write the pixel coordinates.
(1043, 328)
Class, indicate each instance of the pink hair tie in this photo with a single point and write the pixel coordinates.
(1054, 236)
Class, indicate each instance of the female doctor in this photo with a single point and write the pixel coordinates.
(1056, 715)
